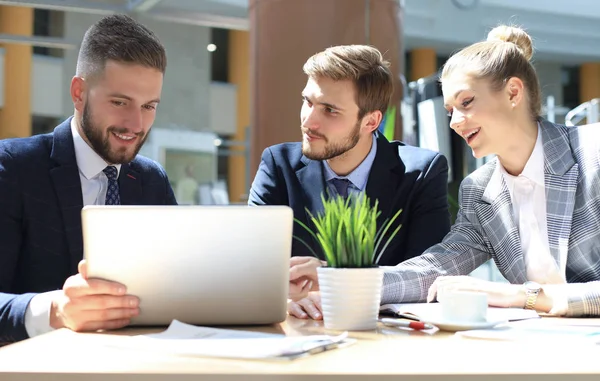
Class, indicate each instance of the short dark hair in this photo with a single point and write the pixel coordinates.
(122, 39)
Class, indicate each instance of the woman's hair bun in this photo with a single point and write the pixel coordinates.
(514, 35)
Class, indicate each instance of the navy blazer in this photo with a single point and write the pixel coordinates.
(402, 177)
(41, 240)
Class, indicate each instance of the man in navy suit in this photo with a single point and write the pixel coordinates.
(91, 158)
(348, 91)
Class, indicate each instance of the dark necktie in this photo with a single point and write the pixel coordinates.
(112, 192)
(341, 185)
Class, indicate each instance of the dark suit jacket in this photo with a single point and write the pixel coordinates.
(41, 240)
(402, 177)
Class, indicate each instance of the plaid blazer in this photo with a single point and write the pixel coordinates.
(485, 226)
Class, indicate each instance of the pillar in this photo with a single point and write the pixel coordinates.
(15, 115)
(239, 75)
(423, 63)
(589, 81)
(285, 33)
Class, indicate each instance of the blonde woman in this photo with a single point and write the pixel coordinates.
(534, 209)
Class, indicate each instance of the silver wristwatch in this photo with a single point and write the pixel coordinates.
(532, 289)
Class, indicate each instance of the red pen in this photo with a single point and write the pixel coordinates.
(416, 325)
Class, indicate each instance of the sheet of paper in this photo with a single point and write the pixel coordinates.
(190, 340)
(433, 312)
(181, 331)
(537, 333)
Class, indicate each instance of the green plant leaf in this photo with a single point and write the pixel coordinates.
(307, 245)
(305, 227)
(385, 228)
(387, 243)
(347, 231)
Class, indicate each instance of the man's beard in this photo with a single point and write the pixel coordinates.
(332, 150)
(101, 144)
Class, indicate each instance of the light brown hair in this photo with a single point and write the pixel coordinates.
(364, 66)
(506, 53)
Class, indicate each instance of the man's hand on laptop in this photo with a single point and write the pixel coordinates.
(92, 304)
(309, 307)
(303, 276)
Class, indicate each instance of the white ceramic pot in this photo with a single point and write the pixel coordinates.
(350, 297)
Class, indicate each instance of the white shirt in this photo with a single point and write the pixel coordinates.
(528, 195)
(94, 184)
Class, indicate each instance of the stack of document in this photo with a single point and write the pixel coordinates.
(190, 340)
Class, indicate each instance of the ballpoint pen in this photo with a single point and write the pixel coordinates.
(396, 314)
(416, 325)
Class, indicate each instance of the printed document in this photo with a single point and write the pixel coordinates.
(184, 339)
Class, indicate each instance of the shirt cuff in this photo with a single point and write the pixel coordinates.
(37, 316)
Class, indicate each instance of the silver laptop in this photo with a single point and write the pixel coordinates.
(204, 265)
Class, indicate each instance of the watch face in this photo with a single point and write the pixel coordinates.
(532, 286)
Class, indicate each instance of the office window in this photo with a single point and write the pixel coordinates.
(43, 124)
(570, 83)
(41, 27)
(219, 50)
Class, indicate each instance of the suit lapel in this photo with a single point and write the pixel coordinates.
(495, 215)
(130, 185)
(67, 186)
(384, 178)
(560, 177)
(312, 180)
(313, 184)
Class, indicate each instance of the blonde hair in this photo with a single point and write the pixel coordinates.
(364, 66)
(506, 53)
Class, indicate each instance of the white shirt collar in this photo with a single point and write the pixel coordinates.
(90, 164)
(534, 168)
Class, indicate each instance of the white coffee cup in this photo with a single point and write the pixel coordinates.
(464, 306)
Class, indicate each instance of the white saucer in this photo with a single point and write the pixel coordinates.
(466, 326)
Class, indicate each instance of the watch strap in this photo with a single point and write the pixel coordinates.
(532, 295)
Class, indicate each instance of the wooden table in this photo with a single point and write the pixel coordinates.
(383, 354)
